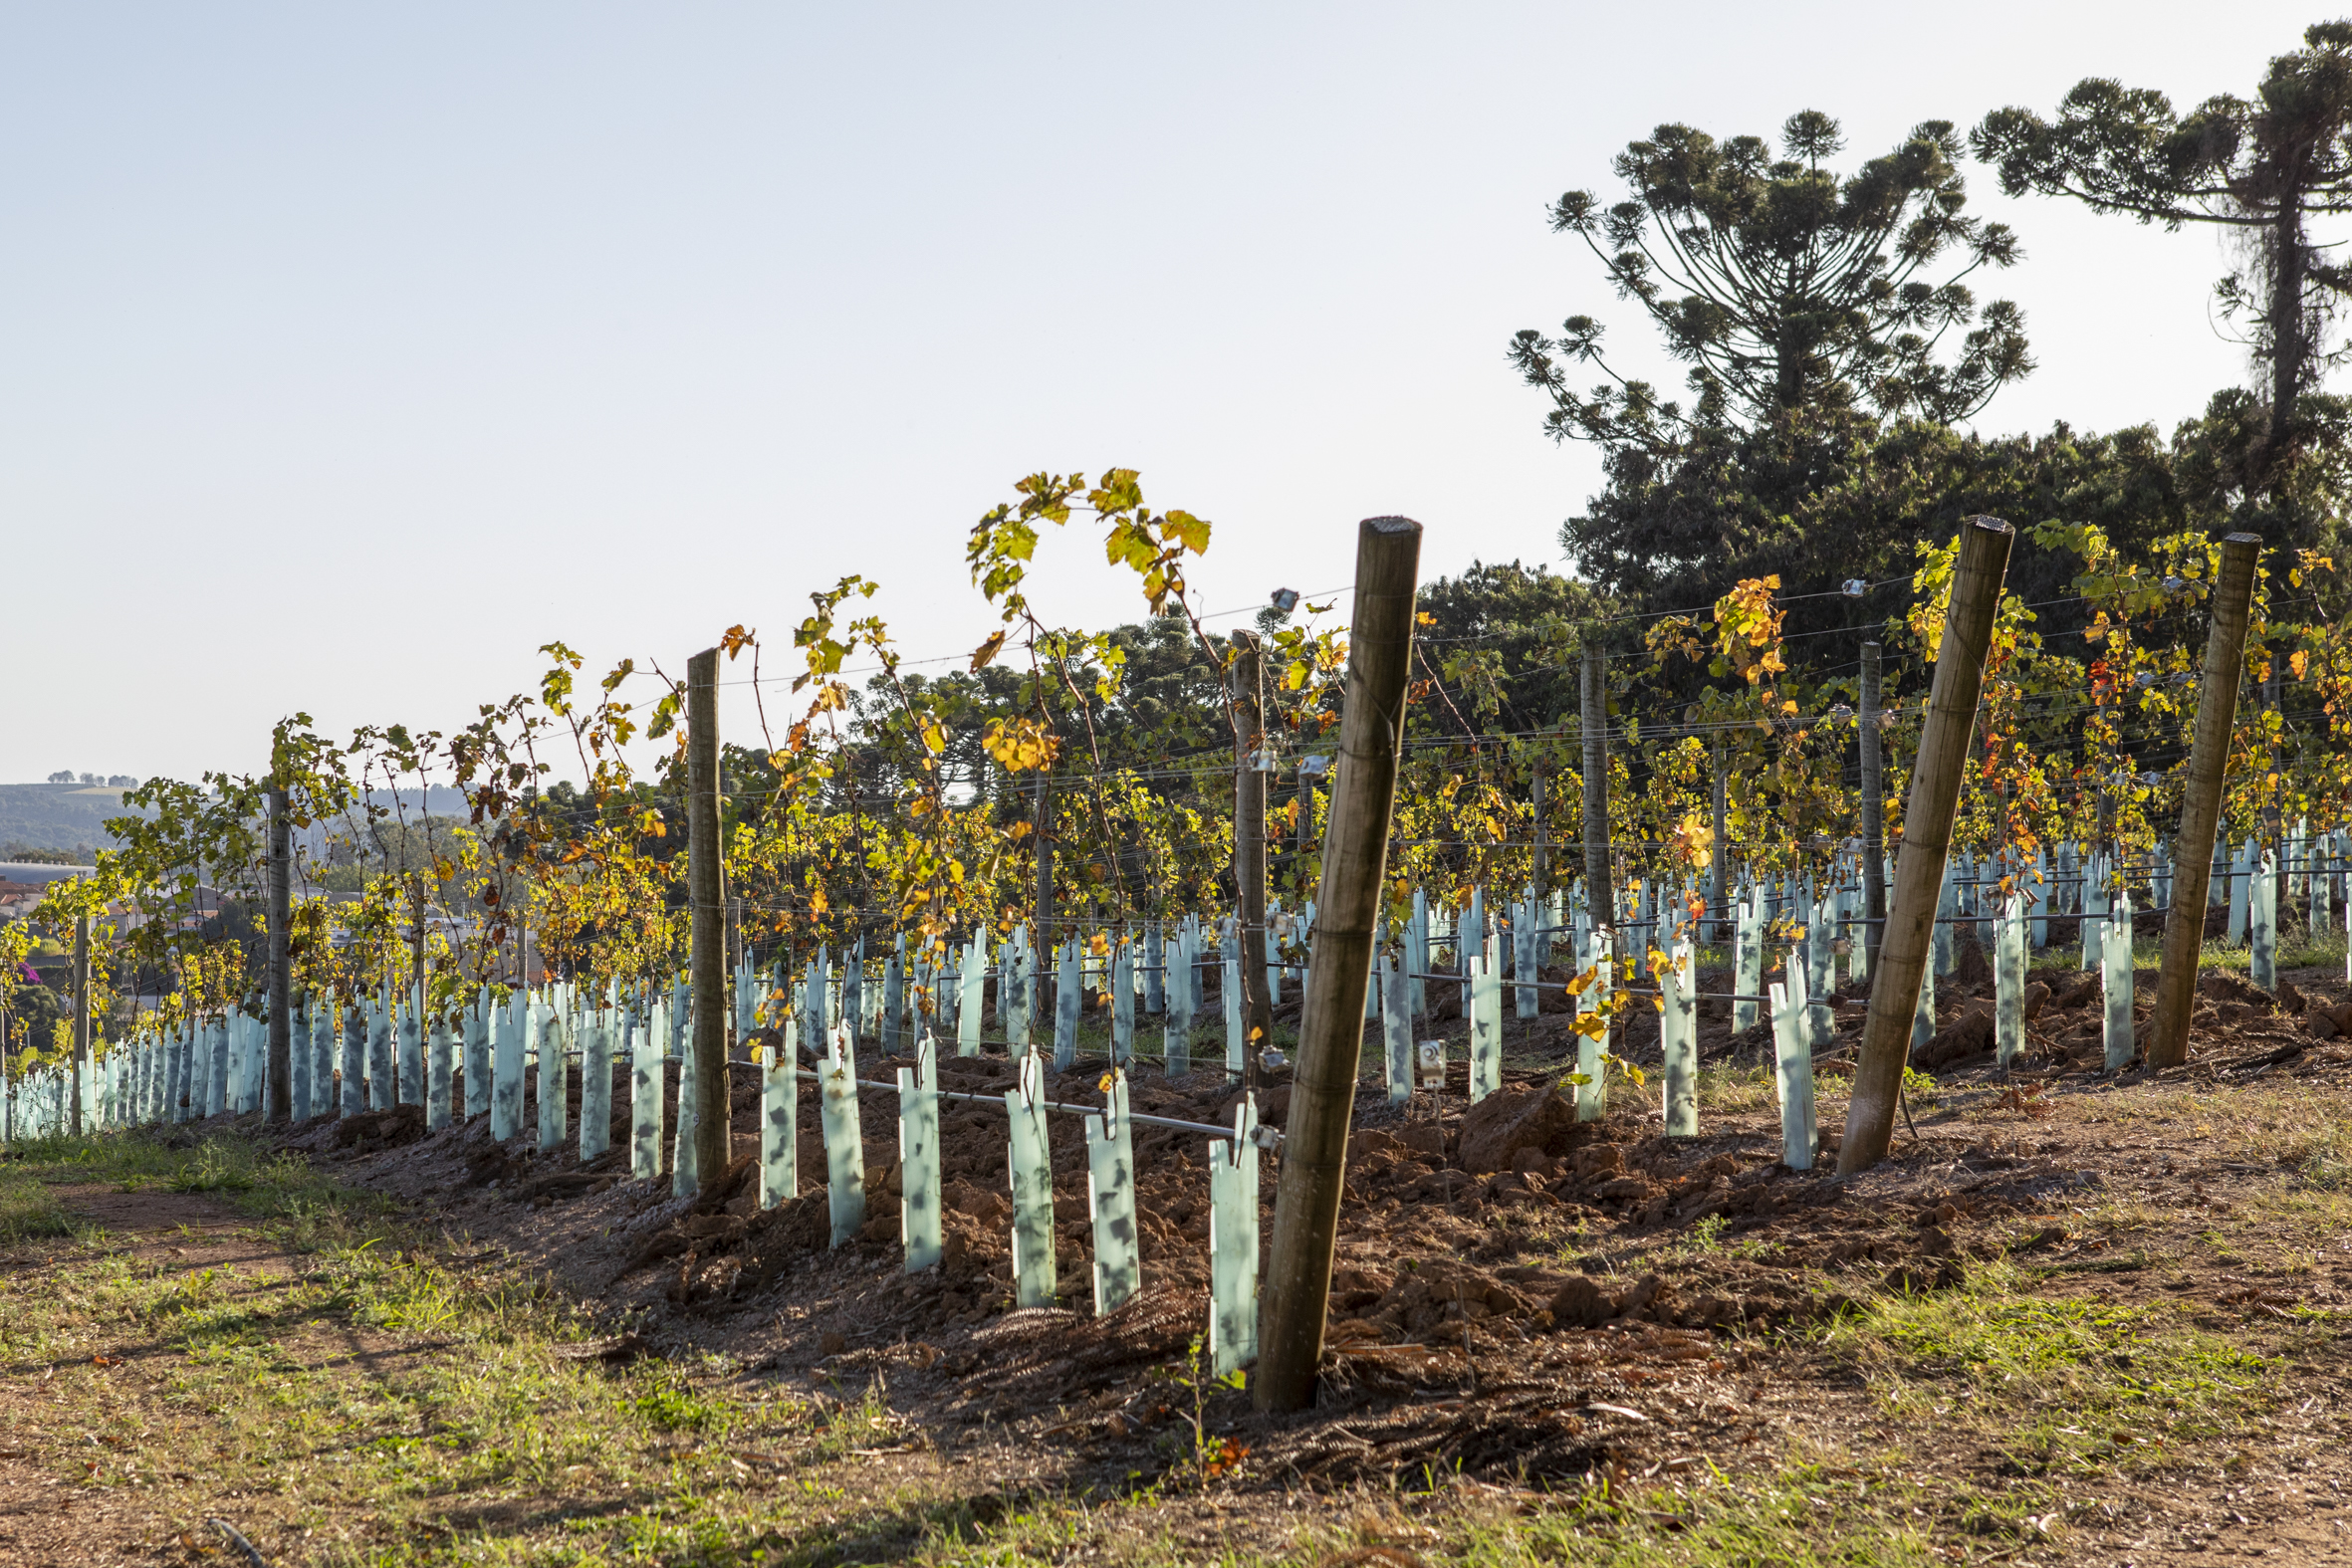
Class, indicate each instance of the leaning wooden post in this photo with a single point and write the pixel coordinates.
(2200, 803)
(280, 1102)
(1248, 846)
(1874, 816)
(711, 1101)
(1720, 853)
(1046, 970)
(82, 1058)
(1539, 883)
(1600, 897)
(1332, 1024)
(1927, 839)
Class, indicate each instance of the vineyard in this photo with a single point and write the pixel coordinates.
(946, 856)
(1327, 1014)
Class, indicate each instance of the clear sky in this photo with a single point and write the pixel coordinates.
(349, 353)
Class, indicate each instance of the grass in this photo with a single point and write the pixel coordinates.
(2297, 949)
(360, 1387)
(2056, 1383)
(362, 1395)
(1729, 1089)
(1811, 1516)
(308, 1210)
(28, 1209)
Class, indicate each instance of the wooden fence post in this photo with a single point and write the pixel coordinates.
(1248, 848)
(1720, 853)
(1046, 970)
(421, 906)
(1874, 816)
(1538, 880)
(2200, 803)
(1332, 1022)
(1927, 840)
(1600, 896)
(703, 849)
(280, 1101)
(83, 1066)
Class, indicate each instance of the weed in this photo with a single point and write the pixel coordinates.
(671, 1405)
(1728, 1089)
(2065, 1381)
(28, 1209)
(1209, 1456)
(2025, 1099)
(1806, 1516)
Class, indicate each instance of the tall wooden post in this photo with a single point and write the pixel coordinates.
(703, 848)
(421, 906)
(1540, 880)
(1927, 840)
(1249, 846)
(2201, 802)
(1048, 971)
(1719, 856)
(1874, 813)
(1332, 1024)
(1303, 801)
(280, 1102)
(2273, 816)
(734, 951)
(81, 1050)
(1600, 895)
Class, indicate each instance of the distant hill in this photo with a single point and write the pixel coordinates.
(68, 816)
(58, 815)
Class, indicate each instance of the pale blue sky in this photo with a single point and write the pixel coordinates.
(346, 356)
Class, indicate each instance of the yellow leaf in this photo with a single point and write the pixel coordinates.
(1190, 531)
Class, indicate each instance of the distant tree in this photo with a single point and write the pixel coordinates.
(35, 855)
(1784, 286)
(89, 779)
(1820, 512)
(62, 775)
(35, 1012)
(1503, 640)
(121, 780)
(2263, 167)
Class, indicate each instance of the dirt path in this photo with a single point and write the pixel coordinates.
(62, 1407)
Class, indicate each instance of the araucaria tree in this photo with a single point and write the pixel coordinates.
(2264, 166)
(1821, 314)
(1786, 286)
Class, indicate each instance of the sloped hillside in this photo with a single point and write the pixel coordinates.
(56, 817)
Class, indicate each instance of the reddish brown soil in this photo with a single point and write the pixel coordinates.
(1480, 1317)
